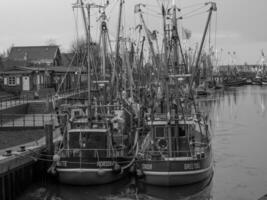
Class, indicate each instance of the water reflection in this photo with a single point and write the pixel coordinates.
(200, 191)
(122, 190)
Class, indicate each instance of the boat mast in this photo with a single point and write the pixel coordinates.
(166, 68)
(117, 69)
(166, 79)
(174, 38)
(212, 8)
(103, 39)
(84, 17)
(88, 65)
(154, 60)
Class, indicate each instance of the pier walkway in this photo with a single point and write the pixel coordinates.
(9, 102)
(26, 120)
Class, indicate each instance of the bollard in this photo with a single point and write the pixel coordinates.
(8, 153)
(22, 149)
(49, 137)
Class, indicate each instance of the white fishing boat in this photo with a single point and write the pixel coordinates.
(175, 142)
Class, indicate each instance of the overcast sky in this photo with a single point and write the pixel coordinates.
(241, 24)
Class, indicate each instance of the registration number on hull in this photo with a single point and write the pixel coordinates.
(105, 163)
(147, 166)
(189, 166)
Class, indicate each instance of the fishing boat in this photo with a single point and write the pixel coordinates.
(98, 139)
(234, 82)
(95, 151)
(175, 142)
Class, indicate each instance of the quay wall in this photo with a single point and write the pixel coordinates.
(18, 172)
(19, 168)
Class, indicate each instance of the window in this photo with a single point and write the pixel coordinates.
(159, 131)
(181, 131)
(11, 80)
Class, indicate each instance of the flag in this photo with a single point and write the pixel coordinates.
(262, 53)
(153, 35)
(163, 10)
(137, 8)
(186, 34)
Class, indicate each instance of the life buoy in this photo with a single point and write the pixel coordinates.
(162, 144)
(117, 168)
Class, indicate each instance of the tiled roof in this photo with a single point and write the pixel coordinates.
(33, 53)
(66, 58)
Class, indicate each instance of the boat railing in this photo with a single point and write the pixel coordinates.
(163, 116)
(84, 154)
(194, 153)
(104, 108)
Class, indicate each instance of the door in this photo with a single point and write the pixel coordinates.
(25, 83)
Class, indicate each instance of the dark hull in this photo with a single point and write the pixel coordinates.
(234, 83)
(176, 178)
(202, 93)
(88, 176)
(93, 173)
(175, 173)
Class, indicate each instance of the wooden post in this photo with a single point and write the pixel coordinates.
(49, 137)
(3, 190)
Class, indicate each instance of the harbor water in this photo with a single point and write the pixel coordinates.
(238, 119)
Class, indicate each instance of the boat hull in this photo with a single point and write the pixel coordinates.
(176, 178)
(92, 171)
(88, 176)
(177, 171)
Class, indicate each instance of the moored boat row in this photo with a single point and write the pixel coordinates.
(153, 129)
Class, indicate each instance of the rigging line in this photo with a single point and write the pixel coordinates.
(209, 36)
(215, 39)
(154, 11)
(192, 11)
(76, 25)
(197, 14)
(65, 75)
(111, 9)
(151, 5)
(152, 15)
(192, 5)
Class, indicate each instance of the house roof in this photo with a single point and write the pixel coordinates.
(57, 69)
(33, 53)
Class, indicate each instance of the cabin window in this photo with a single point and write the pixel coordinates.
(74, 140)
(159, 131)
(173, 131)
(11, 80)
(181, 131)
(76, 113)
(94, 140)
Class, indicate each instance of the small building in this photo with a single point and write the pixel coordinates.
(36, 55)
(29, 80)
(36, 70)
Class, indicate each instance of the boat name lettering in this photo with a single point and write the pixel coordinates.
(62, 163)
(105, 163)
(189, 166)
(147, 166)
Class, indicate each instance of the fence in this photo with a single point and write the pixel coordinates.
(7, 102)
(25, 120)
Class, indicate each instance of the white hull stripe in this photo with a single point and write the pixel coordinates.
(177, 173)
(83, 170)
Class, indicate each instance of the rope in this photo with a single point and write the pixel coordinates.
(193, 11)
(215, 38)
(197, 14)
